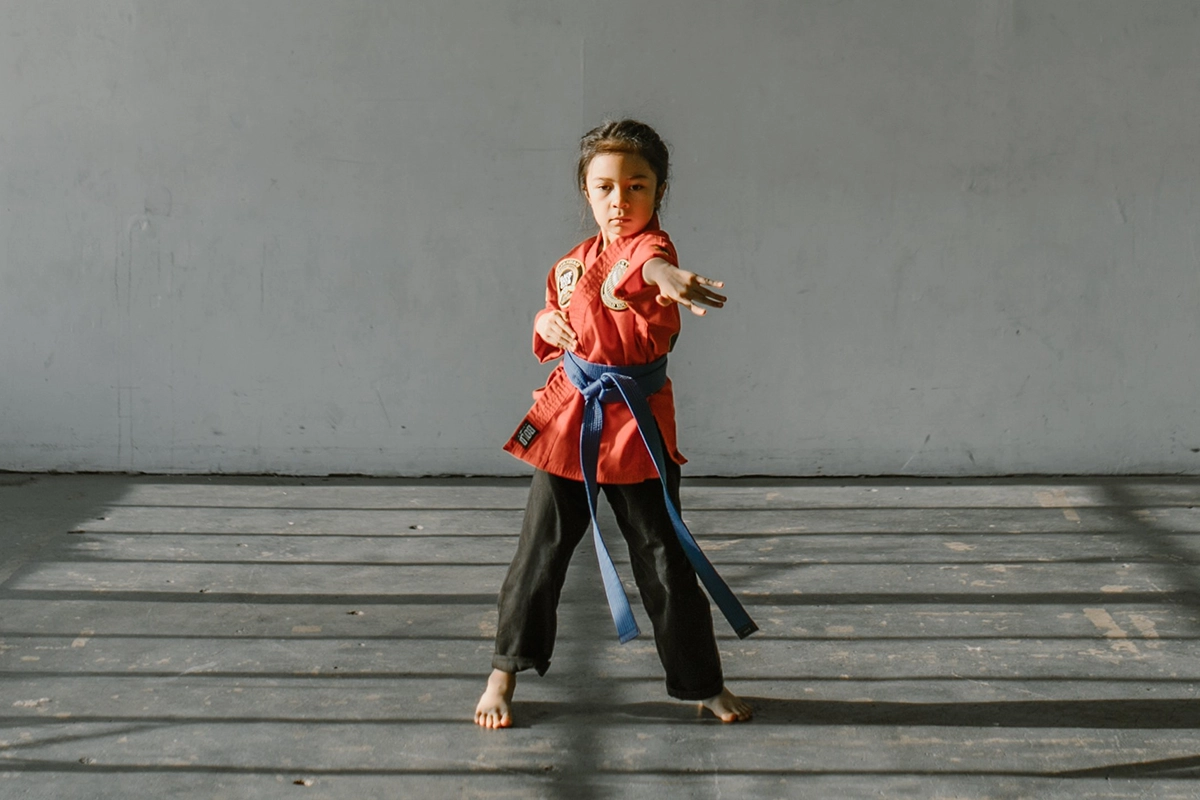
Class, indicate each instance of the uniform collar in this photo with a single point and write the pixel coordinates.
(598, 243)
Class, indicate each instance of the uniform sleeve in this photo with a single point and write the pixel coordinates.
(633, 288)
(541, 349)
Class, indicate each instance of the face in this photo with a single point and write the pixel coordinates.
(623, 192)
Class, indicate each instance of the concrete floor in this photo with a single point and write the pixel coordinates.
(263, 638)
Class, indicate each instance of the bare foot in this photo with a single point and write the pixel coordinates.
(493, 710)
(728, 707)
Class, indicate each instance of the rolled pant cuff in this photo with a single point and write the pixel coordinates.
(519, 664)
(701, 694)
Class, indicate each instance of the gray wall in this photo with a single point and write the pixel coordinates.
(960, 238)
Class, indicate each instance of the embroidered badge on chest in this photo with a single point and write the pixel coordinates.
(566, 277)
(610, 284)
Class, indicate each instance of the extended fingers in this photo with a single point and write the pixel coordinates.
(691, 290)
(697, 289)
(708, 297)
(694, 299)
(703, 283)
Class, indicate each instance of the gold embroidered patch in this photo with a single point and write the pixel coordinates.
(566, 275)
(610, 283)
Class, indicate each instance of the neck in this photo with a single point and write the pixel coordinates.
(606, 240)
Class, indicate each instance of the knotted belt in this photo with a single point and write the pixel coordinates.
(603, 383)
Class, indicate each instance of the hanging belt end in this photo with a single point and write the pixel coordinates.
(746, 630)
(628, 636)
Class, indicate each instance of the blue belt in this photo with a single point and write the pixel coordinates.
(602, 383)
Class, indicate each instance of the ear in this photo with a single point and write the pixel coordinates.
(658, 195)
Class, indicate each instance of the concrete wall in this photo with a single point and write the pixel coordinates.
(306, 236)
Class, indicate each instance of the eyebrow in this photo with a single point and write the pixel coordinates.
(638, 177)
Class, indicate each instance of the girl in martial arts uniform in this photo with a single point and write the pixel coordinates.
(613, 300)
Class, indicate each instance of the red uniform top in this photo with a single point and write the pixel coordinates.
(617, 321)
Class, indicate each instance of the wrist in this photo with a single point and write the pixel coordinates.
(654, 270)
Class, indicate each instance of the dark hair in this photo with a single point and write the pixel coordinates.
(624, 136)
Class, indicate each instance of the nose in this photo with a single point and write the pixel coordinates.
(621, 198)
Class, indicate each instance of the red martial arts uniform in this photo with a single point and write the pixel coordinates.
(616, 321)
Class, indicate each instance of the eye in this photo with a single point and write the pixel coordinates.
(637, 187)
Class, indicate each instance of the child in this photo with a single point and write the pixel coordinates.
(613, 300)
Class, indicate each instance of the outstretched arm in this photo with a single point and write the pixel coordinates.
(677, 285)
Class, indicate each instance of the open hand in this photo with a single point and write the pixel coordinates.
(687, 288)
(556, 331)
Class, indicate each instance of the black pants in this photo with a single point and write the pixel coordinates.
(556, 518)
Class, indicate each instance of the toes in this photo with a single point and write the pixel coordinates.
(493, 719)
(739, 713)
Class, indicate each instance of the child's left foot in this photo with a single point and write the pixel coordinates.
(728, 707)
(494, 709)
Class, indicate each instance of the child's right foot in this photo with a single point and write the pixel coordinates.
(728, 707)
(494, 708)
